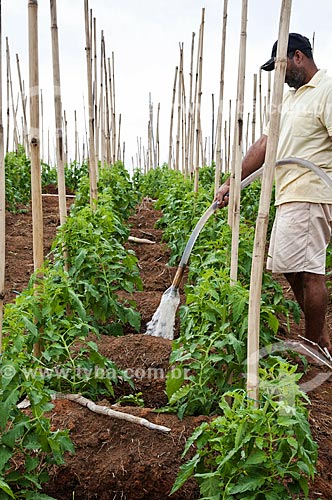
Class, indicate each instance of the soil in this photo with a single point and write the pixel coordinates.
(115, 459)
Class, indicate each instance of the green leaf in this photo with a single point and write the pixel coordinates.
(256, 457)
(75, 301)
(31, 327)
(180, 394)
(210, 487)
(186, 471)
(7, 406)
(5, 455)
(247, 484)
(174, 380)
(6, 488)
(31, 463)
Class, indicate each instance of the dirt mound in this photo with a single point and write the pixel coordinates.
(119, 460)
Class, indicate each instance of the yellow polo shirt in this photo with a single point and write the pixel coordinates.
(306, 132)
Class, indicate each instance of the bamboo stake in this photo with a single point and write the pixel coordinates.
(157, 137)
(152, 150)
(85, 128)
(2, 199)
(253, 122)
(199, 99)
(188, 155)
(118, 155)
(247, 131)
(36, 198)
(264, 205)
(111, 109)
(65, 127)
(58, 114)
(229, 135)
(48, 148)
(42, 123)
(177, 151)
(212, 130)
(238, 142)
(268, 101)
(171, 123)
(75, 137)
(92, 156)
(15, 138)
(225, 146)
(149, 146)
(260, 102)
(108, 136)
(183, 127)
(95, 87)
(25, 124)
(101, 102)
(194, 115)
(112, 89)
(8, 106)
(221, 100)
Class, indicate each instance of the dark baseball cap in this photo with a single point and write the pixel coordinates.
(295, 42)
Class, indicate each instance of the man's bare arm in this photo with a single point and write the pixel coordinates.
(252, 161)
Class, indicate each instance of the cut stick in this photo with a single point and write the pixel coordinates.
(140, 240)
(2, 202)
(258, 253)
(36, 199)
(108, 412)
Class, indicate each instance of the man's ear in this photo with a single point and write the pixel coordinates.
(298, 56)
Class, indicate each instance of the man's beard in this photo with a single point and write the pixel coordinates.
(295, 78)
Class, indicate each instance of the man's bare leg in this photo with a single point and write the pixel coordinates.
(311, 293)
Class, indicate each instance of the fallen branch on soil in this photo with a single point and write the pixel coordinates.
(140, 240)
(104, 410)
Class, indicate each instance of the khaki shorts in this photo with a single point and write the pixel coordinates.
(300, 235)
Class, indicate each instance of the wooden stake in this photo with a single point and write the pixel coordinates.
(15, 131)
(199, 99)
(107, 132)
(92, 156)
(23, 102)
(58, 114)
(101, 103)
(8, 106)
(170, 147)
(2, 198)
(42, 124)
(235, 188)
(221, 100)
(112, 89)
(153, 159)
(247, 131)
(119, 140)
(65, 127)
(95, 87)
(36, 198)
(264, 206)
(189, 154)
(177, 151)
(157, 138)
(254, 101)
(260, 102)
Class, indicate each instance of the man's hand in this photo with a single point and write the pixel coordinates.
(222, 196)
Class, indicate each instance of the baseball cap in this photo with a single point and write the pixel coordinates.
(295, 42)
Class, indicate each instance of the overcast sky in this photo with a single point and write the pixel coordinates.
(145, 36)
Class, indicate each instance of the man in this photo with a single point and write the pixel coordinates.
(302, 227)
